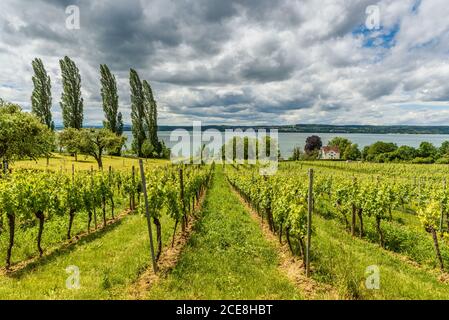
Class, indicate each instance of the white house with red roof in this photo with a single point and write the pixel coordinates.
(329, 153)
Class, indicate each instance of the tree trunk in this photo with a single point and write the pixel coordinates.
(270, 219)
(11, 222)
(186, 217)
(89, 220)
(379, 231)
(360, 214)
(71, 217)
(157, 223)
(437, 248)
(183, 224)
(40, 215)
(99, 162)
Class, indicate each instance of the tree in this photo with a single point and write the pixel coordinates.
(444, 149)
(374, 151)
(426, 150)
(150, 109)
(365, 152)
(404, 153)
(22, 135)
(313, 143)
(71, 100)
(91, 141)
(296, 154)
(341, 143)
(95, 141)
(41, 96)
(109, 96)
(69, 140)
(137, 112)
(352, 152)
(148, 149)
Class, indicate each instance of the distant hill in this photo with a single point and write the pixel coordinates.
(320, 128)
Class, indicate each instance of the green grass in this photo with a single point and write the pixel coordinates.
(109, 261)
(64, 162)
(404, 235)
(341, 260)
(55, 233)
(227, 257)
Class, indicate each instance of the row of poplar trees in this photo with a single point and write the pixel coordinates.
(143, 105)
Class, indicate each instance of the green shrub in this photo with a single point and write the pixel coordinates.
(420, 160)
(443, 160)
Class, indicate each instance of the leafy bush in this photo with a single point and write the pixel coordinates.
(420, 160)
(444, 160)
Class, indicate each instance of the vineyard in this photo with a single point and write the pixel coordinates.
(402, 209)
(42, 209)
(393, 218)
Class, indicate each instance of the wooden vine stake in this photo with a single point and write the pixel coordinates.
(147, 214)
(309, 221)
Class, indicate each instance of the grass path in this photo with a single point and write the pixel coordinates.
(109, 261)
(227, 257)
(341, 260)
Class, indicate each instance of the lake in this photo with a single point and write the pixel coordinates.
(288, 140)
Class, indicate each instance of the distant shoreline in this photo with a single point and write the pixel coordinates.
(318, 128)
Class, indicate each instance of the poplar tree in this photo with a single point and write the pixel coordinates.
(109, 96)
(71, 100)
(137, 112)
(41, 96)
(151, 116)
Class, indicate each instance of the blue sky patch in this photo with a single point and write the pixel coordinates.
(382, 37)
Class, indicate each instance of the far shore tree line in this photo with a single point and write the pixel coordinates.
(25, 135)
(381, 152)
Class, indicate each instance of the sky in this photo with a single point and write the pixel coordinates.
(245, 62)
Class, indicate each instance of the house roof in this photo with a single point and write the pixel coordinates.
(327, 149)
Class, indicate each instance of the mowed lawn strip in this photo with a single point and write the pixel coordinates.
(227, 256)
